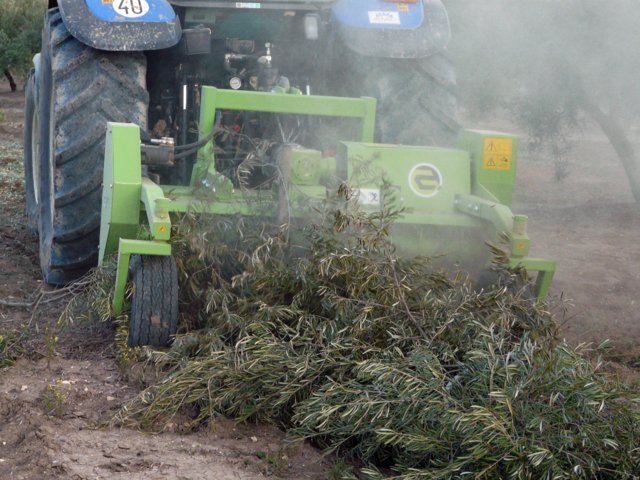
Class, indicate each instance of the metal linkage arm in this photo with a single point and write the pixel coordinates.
(126, 248)
(515, 226)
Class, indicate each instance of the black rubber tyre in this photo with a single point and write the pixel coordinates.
(154, 302)
(417, 99)
(80, 90)
(31, 154)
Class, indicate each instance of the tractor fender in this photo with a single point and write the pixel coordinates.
(122, 25)
(389, 29)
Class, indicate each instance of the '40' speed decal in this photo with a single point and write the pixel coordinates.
(131, 8)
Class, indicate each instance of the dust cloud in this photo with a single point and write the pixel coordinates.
(564, 76)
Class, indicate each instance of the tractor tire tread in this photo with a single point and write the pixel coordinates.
(91, 223)
(417, 99)
(154, 304)
(30, 107)
(92, 136)
(80, 190)
(90, 88)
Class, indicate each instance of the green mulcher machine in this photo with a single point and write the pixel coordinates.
(136, 109)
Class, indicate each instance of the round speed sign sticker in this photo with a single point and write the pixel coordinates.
(131, 8)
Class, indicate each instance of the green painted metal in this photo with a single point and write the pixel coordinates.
(425, 181)
(183, 199)
(500, 217)
(520, 242)
(465, 220)
(121, 187)
(455, 200)
(309, 167)
(493, 167)
(157, 208)
(216, 183)
(447, 173)
(126, 248)
(124, 189)
(545, 268)
(213, 99)
(515, 227)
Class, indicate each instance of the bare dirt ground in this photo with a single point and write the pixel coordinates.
(55, 403)
(590, 224)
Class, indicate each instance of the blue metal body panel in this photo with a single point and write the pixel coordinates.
(140, 10)
(392, 29)
(379, 14)
(122, 25)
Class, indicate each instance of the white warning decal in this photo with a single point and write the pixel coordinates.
(384, 18)
(367, 196)
(248, 5)
(131, 8)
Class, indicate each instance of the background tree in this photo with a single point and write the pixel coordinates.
(20, 33)
(553, 65)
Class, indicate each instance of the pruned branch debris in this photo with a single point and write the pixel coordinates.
(387, 360)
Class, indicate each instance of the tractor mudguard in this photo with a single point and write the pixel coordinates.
(122, 25)
(383, 28)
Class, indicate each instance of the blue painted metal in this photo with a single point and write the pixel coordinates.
(379, 14)
(391, 29)
(152, 25)
(159, 10)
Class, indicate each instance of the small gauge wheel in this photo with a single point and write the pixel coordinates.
(154, 301)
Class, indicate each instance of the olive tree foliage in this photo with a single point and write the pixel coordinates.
(554, 65)
(20, 27)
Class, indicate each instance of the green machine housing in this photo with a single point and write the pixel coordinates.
(455, 199)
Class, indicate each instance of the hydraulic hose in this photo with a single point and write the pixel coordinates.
(196, 145)
(185, 154)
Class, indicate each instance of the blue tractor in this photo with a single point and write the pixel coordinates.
(145, 61)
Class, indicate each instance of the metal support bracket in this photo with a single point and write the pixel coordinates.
(126, 248)
(500, 216)
(157, 208)
(545, 268)
(515, 227)
(122, 180)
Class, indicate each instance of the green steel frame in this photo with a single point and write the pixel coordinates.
(214, 99)
(126, 194)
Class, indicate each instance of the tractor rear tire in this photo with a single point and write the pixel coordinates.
(81, 89)
(417, 99)
(31, 154)
(154, 303)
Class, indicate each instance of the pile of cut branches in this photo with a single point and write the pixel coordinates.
(382, 359)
